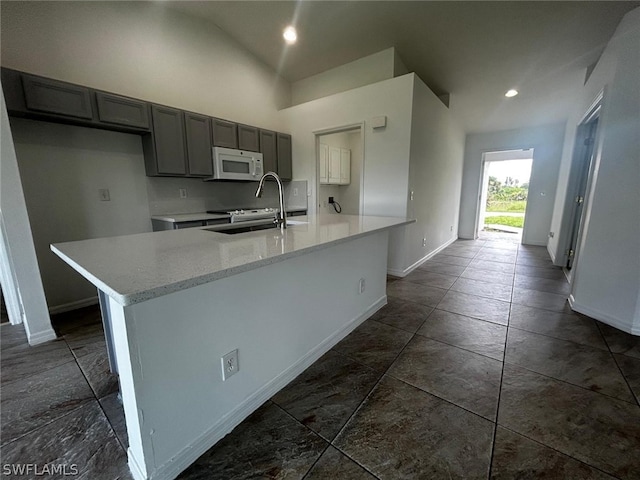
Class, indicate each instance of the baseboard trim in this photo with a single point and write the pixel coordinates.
(534, 244)
(403, 273)
(190, 453)
(134, 468)
(551, 255)
(603, 317)
(66, 307)
(41, 337)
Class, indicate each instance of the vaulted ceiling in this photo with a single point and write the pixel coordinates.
(474, 50)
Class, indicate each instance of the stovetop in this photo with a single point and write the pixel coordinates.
(245, 215)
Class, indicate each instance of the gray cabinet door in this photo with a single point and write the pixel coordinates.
(225, 134)
(269, 152)
(198, 135)
(52, 96)
(248, 138)
(122, 111)
(285, 169)
(168, 138)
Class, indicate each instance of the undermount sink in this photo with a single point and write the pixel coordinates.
(251, 228)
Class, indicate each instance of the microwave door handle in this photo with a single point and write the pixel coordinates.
(253, 166)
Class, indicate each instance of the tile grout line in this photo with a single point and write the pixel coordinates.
(553, 378)
(385, 373)
(48, 423)
(72, 359)
(556, 338)
(572, 384)
(613, 355)
(544, 445)
(416, 333)
(113, 430)
(504, 356)
(328, 444)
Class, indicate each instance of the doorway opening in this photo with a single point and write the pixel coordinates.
(340, 170)
(505, 189)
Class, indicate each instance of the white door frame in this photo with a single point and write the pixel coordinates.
(594, 111)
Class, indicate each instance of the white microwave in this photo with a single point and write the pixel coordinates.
(232, 164)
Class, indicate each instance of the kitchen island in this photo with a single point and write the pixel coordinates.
(177, 301)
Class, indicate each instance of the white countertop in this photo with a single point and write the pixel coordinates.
(134, 268)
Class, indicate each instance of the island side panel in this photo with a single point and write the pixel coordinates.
(280, 317)
(122, 325)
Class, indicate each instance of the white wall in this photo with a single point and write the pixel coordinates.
(143, 50)
(547, 142)
(62, 168)
(386, 151)
(435, 175)
(606, 274)
(25, 286)
(326, 191)
(364, 71)
(399, 68)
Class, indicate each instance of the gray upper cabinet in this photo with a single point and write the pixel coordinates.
(248, 138)
(175, 143)
(225, 134)
(164, 149)
(60, 98)
(283, 144)
(269, 152)
(122, 111)
(198, 136)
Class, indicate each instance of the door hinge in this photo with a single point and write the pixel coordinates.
(579, 199)
(570, 253)
(588, 141)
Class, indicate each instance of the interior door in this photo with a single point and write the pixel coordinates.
(584, 167)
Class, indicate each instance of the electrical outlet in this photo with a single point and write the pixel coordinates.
(411, 196)
(295, 192)
(183, 192)
(424, 242)
(361, 286)
(230, 365)
(551, 234)
(330, 200)
(104, 195)
(451, 228)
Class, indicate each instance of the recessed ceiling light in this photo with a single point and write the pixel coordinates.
(290, 35)
(511, 93)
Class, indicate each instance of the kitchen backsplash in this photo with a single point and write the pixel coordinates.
(164, 195)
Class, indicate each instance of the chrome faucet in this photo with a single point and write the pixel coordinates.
(281, 216)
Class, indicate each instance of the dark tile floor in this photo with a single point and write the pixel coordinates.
(59, 404)
(476, 368)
